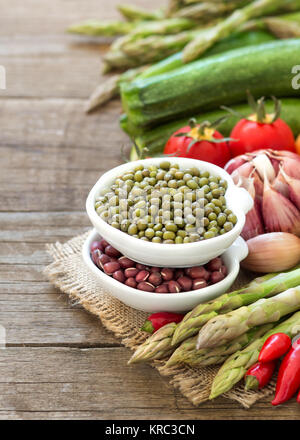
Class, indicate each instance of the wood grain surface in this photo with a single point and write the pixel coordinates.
(59, 362)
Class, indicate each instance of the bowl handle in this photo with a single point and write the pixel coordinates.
(238, 249)
(243, 199)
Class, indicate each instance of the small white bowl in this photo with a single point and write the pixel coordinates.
(172, 302)
(171, 255)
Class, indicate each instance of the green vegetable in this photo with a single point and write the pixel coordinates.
(155, 139)
(108, 28)
(284, 26)
(240, 16)
(224, 328)
(188, 354)
(239, 39)
(133, 13)
(261, 287)
(222, 79)
(235, 367)
(205, 10)
(157, 346)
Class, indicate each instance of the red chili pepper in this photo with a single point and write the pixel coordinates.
(259, 375)
(274, 347)
(158, 320)
(288, 381)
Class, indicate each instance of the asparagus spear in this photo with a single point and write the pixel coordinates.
(224, 328)
(284, 26)
(235, 367)
(138, 29)
(206, 10)
(188, 354)
(158, 345)
(109, 28)
(110, 88)
(261, 287)
(133, 13)
(146, 50)
(209, 37)
(173, 6)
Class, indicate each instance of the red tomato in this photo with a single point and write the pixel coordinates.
(203, 149)
(251, 135)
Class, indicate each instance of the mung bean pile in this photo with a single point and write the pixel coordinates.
(164, 204)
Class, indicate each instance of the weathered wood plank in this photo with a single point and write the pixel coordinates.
(49, 319)
(42, 227)
(97, 383)
(60, 123)
(42, 159)
(34, 17)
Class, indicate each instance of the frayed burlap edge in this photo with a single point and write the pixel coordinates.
(69, 273)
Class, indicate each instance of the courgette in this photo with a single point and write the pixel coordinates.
(239, 39)
(155, 140)
(264, 69)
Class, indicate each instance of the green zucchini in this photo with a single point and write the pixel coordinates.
(239, 39)
(155, 140)
(264, 69)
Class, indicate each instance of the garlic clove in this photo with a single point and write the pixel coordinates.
(272, 252)
(264, 167)
(235, 163)
(280, 184)
(293, 188)
(291, 167)
(254, 222)
(258, 184)
(279, 213)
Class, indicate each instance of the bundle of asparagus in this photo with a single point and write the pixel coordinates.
(189, 25)
(162, 343)
(237, 341)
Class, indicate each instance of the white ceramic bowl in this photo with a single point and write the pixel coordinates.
(173, 302)
(170, 255)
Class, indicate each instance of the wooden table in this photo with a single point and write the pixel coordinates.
(59, 362)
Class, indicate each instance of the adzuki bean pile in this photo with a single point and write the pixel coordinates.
(155, 279)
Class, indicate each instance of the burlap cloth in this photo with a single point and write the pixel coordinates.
(69, 273)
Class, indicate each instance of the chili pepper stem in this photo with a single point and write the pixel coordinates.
(251, 383)
(147, 327)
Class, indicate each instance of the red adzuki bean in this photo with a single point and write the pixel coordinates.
(197, 272)
(95, 245)
(216, 276)
(103, 259)
(185, 283)
(199, 283)
(155, 278)
(103, 244)
(112, 252)
(111, 267)
(119, 276)
(174, 287)
(214, 264)
(148, 287)
(126, 262)
(163, 288)
(143, 275)
(131, 282)
(167, 274)
(131, 272)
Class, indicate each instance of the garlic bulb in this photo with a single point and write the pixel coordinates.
(273, 180)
